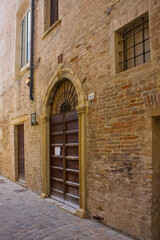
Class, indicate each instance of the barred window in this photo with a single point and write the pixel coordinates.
(134, 44)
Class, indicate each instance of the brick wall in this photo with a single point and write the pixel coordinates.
(119, 131)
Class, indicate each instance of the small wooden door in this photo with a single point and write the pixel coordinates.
(64, 161)
(21, 165)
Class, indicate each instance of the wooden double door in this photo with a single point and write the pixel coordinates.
(64, 158)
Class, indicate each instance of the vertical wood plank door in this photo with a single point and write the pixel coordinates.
(64, 160)
(21, 164)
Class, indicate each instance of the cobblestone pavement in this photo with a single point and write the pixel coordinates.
(24, 215)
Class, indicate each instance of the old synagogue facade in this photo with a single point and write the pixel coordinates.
(80, 107)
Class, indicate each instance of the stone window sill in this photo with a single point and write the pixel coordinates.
(53, 27)
(141, 66)
(22, 71)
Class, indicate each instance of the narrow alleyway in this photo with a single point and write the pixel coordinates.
(24, 215)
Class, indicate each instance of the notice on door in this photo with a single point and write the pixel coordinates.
(57, 151)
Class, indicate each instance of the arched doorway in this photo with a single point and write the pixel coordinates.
(64, 144)
(61, 75)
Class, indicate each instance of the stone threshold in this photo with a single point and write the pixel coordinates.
(21, 182)
(64, 205)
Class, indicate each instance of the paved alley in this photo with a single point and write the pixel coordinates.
(24, 215)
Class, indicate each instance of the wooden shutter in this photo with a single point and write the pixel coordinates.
(54, 11)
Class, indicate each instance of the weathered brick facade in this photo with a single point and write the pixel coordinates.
(120, 169)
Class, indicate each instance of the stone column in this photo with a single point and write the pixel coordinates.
(46, 150)
(81, 110)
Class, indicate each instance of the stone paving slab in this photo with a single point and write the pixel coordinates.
(25, 216)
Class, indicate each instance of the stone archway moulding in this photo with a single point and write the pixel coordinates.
(45, 120)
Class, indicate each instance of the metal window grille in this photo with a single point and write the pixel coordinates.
(135, 44)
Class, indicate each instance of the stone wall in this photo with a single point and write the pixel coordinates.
(119, 129)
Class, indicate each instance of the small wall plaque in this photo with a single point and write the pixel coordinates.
(90, 96)
(60, 58)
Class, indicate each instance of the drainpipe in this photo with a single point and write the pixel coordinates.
(31, 50)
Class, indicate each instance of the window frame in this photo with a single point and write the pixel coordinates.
(121, 48)
(27, 40)
(47, 27)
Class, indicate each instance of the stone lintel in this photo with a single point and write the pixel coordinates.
(19, 120)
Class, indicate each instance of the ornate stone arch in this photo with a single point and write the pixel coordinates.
(45, 120)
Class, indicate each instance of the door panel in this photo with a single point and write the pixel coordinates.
(72, 151)
(64, 156)
(21, 164)
(72, 176)
(72, 138)
(72, 164)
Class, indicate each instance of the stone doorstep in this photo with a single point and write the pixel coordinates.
(21, 182)
(71, 208)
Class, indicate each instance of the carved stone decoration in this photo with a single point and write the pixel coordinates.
(65, 98)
